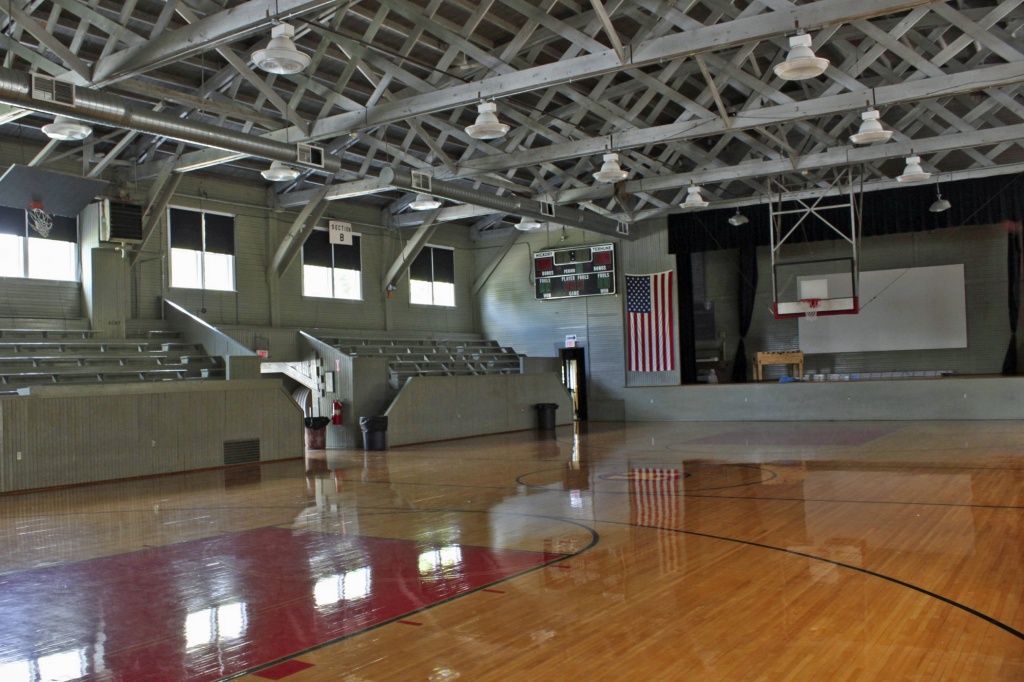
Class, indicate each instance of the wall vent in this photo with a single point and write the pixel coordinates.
(421, 181)
(241, 451)
(121, 222)
(309, 155)
(52, 90)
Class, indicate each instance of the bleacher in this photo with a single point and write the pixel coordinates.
(431, 357)
(34, 357)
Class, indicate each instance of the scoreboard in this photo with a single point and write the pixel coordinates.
(574, 271)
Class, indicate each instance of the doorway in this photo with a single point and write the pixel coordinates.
(574, 378)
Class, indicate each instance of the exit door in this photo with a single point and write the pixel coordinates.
(574, 378)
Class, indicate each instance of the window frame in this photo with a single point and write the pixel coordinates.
(334, 297)
(433, 281)
(74, 274)
(203, 252)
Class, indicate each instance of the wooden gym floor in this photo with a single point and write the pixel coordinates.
(713, 551)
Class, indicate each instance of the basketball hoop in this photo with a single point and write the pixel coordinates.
(39, 220)
(811, 305)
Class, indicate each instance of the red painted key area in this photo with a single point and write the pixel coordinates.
(211, 608)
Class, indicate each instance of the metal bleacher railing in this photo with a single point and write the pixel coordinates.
(431, 357)
(34, 357)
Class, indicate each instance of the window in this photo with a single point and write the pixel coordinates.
(432, 277)
(202, 250)
(331, 270)
(26, 253)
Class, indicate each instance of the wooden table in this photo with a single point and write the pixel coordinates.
(786, 357)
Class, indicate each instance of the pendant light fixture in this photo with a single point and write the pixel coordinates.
(528, 225)
(801, 62)
(738, 219)
(279, 172)
(694, 199)
(67, 129)
(940, 204)
(610, 170)
(280, 55)
(871, 129)
(424, 202)
(913, 172)
(487, 126)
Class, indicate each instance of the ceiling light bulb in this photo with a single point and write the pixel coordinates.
(738, 219)
(871, 129)
(528, 225)
(487, 126)
(913, 172)
(64, 128)
(801, 63)
(693, 198)
(424, 202)
(940, 204)
(610, 171)
(279, 172)
(280, 55)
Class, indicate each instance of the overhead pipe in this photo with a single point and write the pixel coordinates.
(94, 106)
(464, 194)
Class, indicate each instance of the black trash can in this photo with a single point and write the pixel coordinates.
(316, 432)
(546, 416)
(375, 432)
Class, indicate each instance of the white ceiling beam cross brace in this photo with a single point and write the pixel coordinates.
(212, 31)
(929, 88)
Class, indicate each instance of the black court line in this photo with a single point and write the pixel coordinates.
(773, 475)
(839, 501)
(902, 583)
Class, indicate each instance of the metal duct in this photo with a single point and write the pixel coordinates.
(98, 107)
(563, 215)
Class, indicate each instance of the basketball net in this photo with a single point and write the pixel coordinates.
(812, 307)
(39, 220)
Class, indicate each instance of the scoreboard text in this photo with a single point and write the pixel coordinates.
(575, 271)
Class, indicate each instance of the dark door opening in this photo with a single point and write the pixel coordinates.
(574, 378)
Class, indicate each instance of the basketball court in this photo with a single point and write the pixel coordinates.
(712, 551)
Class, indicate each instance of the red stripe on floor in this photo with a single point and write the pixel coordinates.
(410, 622)
(232, 603)
(283, 670)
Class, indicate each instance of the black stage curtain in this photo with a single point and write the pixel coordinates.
(1013, 255)
(747, 267)
(687, 328)
(981, 201)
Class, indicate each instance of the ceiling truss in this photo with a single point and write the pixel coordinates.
(684, 91)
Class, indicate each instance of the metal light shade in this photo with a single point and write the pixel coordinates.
(940, 204)
(424, 202)
(913, 172)
(64, 128)
(279, 172)
(738, 219)
(610, 170)
(693, 198)
(281, 55)
(801, 63)
(487, 126)
(528, 225)
(871, 129)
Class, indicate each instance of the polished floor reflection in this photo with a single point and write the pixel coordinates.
(660, 551)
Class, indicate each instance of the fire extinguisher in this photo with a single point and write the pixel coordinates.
(336, 416)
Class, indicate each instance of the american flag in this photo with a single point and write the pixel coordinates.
(649, 323)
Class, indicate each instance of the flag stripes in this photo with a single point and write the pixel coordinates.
(650, 325)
